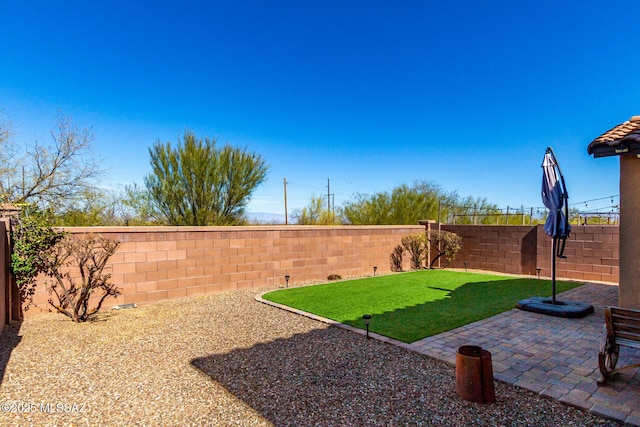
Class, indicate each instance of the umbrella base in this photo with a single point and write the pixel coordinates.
(568, 309)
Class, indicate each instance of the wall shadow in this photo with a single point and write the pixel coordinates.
(529, 252)
(9, 339)
(326, 377)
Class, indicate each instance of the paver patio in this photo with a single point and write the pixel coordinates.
(553, 356)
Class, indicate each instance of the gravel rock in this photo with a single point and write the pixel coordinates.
(227, 360)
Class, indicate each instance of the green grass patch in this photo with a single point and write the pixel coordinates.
(415, 305)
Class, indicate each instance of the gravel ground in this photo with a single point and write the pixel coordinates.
(227, 360)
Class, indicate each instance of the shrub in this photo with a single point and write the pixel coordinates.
(32, 238)
(89, 254)
(334, 277)
(396, 258)
(444, 243)
(416, 245)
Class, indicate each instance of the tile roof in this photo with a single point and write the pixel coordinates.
(617, 140)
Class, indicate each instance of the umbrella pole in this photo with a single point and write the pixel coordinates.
(553, 270)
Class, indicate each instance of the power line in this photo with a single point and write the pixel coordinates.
(595, 200)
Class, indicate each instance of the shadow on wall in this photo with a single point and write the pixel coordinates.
(331, 377)
(528, 253)
(9, 339)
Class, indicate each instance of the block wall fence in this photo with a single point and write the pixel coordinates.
(160, 263)
(592, 252)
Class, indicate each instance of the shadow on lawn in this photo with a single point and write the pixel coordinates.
(9, 339)
(465, 304)
(328, 377)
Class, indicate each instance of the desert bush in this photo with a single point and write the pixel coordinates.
(444, 243)
(416, 245)
(71, 296)
(396, 258)
(32, 238)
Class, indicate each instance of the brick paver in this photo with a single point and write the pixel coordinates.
(553, 356)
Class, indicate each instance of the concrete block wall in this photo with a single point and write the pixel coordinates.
(592, 253)
(159, 263)
(506, 249)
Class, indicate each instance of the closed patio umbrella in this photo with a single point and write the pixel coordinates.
(554, 197)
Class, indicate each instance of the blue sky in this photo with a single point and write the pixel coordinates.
(369, 94)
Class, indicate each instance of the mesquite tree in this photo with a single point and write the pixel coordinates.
(89, 254)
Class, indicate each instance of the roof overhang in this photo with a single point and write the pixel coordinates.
(622, 139)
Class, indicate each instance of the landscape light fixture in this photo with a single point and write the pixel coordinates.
(465, 266)
(286, 278)
(374, 270)
(367, 320)
(538, 272)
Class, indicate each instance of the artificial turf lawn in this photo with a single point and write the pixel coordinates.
(415, 305)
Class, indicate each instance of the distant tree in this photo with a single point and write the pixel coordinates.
(6, 153)
(403, 205)
(469, 210)
(104, 208)
(53, 176)
(315, 213)
(137, 207)
(368, 210)
(5, 128)
(197, 183)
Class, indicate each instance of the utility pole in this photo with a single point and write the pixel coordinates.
(328, 196)
(286, 217)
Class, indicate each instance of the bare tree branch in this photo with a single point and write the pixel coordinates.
(57, 175)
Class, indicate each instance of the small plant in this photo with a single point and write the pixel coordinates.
(72, 296)
(416, 245)
(396, 258)
(334, 277)
(32, 238)
(444, 243)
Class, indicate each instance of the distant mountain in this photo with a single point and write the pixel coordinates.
(265, 218)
